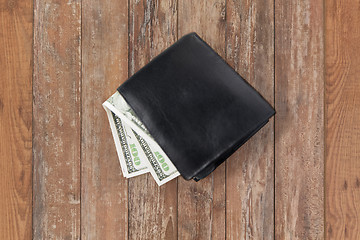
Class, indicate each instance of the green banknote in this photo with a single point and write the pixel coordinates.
(128, 131)
(160, 166)
(132, 161)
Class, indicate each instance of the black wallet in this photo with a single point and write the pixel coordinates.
(195, 106)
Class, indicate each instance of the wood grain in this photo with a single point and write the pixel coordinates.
(104, 192)
(152, 209)
(299, 122)
(16, 119)
(342, 61)
(83, 50)
(56, 119)
(201, 213)
(250, 171)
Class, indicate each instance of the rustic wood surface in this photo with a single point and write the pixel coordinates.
(15, 119)
(299, 122)
(250, 171)
(61, 178)
(56, 119)
(104, 193)
(152, 210)
(342, 57)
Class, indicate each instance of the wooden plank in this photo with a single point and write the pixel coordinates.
(16, 119)
(152, 209)
(250, 171)
(56, 119)
(104, 192)
(299, 122)
(201, 205)
(342, 61)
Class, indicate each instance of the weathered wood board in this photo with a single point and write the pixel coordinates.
(342, 61)
(16, 24)
(152, 209)
(250, 171)
(299, 121)
(104, 192)
(56, 119)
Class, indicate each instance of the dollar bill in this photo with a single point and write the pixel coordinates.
(130, 126)
(117, 104)
(132, 161)
(161, 168)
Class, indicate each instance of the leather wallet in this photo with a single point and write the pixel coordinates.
(195, 106)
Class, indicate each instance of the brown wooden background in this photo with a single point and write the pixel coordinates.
(298, 178)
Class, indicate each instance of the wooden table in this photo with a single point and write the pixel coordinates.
(298, 178)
